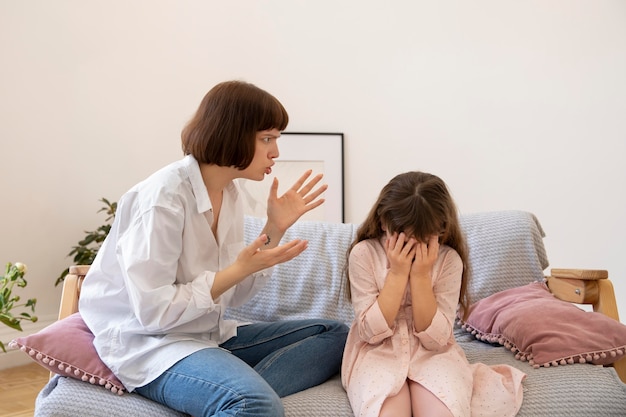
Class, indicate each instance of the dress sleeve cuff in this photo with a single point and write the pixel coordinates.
(437, 335)
(375, 325)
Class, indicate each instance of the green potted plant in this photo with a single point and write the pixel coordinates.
(14, 275)
(85, 252)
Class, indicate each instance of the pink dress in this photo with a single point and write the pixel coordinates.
(378, 360)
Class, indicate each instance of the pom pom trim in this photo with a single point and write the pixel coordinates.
(593, 357)
(67, 369)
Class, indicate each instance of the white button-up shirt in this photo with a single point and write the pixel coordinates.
(147, 296)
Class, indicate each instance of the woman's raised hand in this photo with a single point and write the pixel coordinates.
(302, 197)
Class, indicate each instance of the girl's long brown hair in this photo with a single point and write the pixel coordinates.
(418, 203)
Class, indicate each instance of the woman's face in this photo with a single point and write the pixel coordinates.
(265, 150)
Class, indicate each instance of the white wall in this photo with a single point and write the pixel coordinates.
(517, 105)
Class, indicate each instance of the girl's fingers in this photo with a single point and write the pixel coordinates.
(399, 243)
(408, 246)
(391, 242)
(433, 246)
(400, 249)
(428, 250)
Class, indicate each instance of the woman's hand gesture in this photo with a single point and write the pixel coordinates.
(284, 211)
(252, 259)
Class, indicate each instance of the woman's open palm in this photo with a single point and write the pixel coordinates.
(285, 210)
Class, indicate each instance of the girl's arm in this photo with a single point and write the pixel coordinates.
(424, 303)
(399, 253)
(391, 295)
(378, 280)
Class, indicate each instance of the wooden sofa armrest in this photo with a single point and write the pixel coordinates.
(71, 290)
(588, 286)
(585, 286)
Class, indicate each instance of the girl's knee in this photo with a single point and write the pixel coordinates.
(398, 405)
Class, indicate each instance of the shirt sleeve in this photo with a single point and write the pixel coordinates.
(371, 324)
(148, 249)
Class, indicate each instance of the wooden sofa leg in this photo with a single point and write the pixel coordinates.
(620, 367)
(588, 287)
(607, 305)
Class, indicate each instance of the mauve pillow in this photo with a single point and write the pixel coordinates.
(66, 348)
(545, 331)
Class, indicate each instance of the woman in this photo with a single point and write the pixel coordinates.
(175, 260)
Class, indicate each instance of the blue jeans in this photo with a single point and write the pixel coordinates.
(247, 377)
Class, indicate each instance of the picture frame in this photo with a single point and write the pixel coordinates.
(300, 151)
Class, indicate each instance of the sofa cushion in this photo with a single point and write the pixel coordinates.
(66, 347)
(579, 390)
(505, 251)
(545, 331)
(68, 397)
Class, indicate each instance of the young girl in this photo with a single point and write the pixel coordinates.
(407, 274)
(175, 259)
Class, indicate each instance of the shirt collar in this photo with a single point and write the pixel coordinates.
(203, 202)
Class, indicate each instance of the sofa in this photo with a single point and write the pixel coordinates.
(506, 253)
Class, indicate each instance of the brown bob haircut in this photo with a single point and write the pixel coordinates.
(224, 128)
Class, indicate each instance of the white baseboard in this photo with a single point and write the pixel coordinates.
(15, 357)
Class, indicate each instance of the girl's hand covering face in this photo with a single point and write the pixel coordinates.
(400, 253)
(425, 257)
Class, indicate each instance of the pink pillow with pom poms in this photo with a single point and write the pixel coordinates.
(66, 348)
(545, 331)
